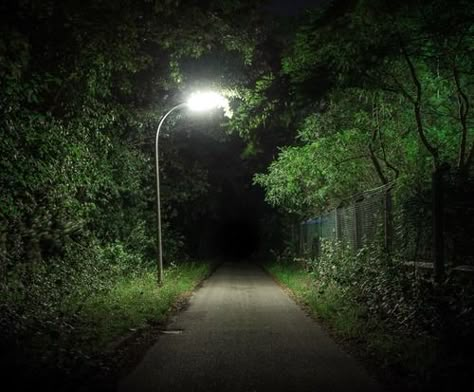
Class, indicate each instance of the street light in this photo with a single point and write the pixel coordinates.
(197, 102)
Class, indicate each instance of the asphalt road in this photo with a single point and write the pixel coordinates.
(242, 333)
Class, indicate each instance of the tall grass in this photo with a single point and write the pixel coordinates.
(135, 301)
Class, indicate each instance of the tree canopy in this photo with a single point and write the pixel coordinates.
(378, 92)
(83, 85)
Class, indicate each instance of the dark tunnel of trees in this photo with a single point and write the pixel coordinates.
(345, 159)
(236, 239)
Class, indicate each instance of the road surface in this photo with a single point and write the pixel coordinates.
(242, 333)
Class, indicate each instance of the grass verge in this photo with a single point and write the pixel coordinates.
(397, 360)
(79, 349)
(135, 301)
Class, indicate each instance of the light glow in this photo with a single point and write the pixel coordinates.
(207, 100)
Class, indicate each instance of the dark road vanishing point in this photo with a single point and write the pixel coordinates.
(241, 332)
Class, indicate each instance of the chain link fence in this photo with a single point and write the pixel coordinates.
(401, 223)
(374, 216)
(355, 222)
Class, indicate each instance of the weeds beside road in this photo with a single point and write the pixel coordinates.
(413, 335)
(64, 341)
(135, 301)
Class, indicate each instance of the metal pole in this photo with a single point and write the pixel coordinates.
(158, 205)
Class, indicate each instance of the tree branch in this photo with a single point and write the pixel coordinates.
(385, 160)
(417, 105)
(463, 104)
(389, 165)
(353, 158)
(372, 155)
(377, 166)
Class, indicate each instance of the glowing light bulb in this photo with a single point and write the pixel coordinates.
(207, 100)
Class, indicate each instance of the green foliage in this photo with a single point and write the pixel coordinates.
(78, 113)
(405, 321)
(334, 159)
(388, 291)
(135, 300)
(256, 106)
(82, 88)
(379, 92)
(47, 296)
(74, 308)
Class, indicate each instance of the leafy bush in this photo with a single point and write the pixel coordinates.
(43, 297)
(64, 310)
(381, 285)
(422, 332)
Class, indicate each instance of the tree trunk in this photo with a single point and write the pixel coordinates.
(438, 224)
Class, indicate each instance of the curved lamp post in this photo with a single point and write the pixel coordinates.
(197, 102)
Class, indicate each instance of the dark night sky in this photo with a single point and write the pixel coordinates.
(293, 7)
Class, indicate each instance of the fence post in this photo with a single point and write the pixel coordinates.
(387, 223)
(438, 229)
(320, 235)
(293, 244)
(301, 241)
(355, 224)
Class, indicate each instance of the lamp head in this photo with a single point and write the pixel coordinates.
(206, 100)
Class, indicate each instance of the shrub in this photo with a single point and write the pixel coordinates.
(385, 288)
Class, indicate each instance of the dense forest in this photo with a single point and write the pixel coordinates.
(344, 97)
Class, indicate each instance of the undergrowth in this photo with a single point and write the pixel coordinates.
(66, 312)
(416, 332)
